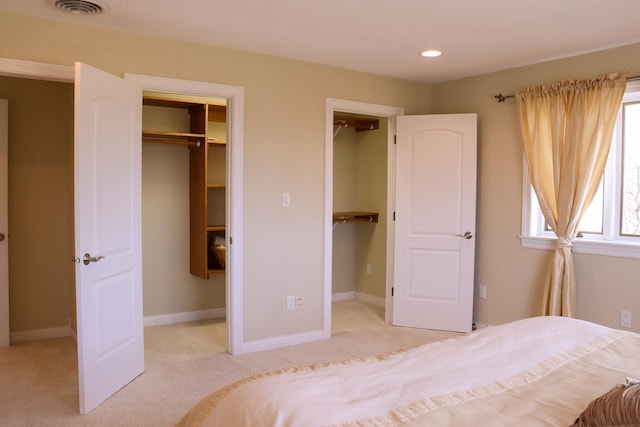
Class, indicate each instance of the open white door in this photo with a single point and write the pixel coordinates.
(4, 223)
(107, 181)
(435, 221)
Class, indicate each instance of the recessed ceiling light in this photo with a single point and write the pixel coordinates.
(78, 7)
(431, 53)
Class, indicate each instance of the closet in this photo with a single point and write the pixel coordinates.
(360, 205)
(200, 125)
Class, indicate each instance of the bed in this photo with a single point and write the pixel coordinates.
(542, 371)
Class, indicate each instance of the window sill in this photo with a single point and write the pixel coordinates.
(621, 249)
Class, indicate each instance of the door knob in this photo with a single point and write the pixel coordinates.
(88, 258)
(2, 237)
(466, 235)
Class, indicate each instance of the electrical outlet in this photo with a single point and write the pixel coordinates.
(299, 301)
(482, 291)
(291, 302)
(625, 319)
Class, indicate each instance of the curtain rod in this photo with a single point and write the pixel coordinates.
(501, 98)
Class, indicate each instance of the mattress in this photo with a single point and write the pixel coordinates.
(541, 371)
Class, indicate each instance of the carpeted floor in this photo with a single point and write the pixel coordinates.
(183, 362)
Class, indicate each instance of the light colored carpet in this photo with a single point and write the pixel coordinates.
(183, 363)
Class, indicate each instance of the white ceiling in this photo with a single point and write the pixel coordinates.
(378, 36)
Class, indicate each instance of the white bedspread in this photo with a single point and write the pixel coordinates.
(538, 371)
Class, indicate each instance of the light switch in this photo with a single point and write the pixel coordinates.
(286, 199)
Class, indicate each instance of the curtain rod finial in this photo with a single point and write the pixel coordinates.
(500, 97)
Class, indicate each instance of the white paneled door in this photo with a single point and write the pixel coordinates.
(4, 223)
(107, 180)
(435, 221)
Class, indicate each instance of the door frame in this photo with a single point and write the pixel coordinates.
(234, 209)
(234, 284)
(389, 112)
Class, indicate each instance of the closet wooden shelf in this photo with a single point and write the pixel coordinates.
(216, 142)
(158, 101)
(355, 216)
(215, 270)
(216, 186)
(216, 228)
(182, 138)
(359, 123)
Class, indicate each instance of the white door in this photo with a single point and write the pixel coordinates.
(435, 221)
(107, 181)
(4, 223)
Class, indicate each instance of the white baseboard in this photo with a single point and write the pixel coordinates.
(162, 319)
(287, 340)
(190, 316)
(41, 334)
(282, 341)
(186, 316)
(370, 299)
(343, 296)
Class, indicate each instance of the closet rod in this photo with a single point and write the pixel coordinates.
(344, 123)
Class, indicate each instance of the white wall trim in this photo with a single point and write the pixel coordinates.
(235, 98)
(346, 106)
(358, 296)
(370, 299)
(36, 70)
(480, 325)
(283, 341)
(186, 316)
(41, 334)
(343, 296)
(157, 320)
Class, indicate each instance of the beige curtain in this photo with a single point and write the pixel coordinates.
(567, 130)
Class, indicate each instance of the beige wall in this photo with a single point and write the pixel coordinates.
(512, 274)
(41, 274)
(371, 180)
(168, 285)
(283, 146)
(344, 193)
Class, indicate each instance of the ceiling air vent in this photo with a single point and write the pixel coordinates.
(78, 7)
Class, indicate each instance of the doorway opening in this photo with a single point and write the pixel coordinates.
(359, 208)
(40, 204)
(359, 254)
(184, 233)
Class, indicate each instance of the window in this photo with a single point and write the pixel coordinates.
(611, 225)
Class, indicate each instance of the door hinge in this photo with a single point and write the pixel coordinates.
(230, 240)
(392, 291)
(395, 139)
(394, 215)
